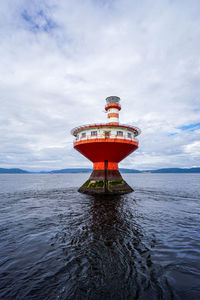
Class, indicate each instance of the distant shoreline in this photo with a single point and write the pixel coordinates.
(87, 170)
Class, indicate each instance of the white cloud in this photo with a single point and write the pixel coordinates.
(193, 149)
(60, 60)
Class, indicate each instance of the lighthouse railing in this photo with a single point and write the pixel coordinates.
(102, 136)
(132, 127)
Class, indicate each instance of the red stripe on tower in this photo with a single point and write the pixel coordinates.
(113, 115)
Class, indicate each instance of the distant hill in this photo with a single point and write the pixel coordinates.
(87, 170)
(82, 170)
(176, 170)
(12, 171)
(123, 170)
(76, 170)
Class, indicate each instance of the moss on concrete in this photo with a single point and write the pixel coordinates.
(115, 182)
(93, 184)
(99, 187)
(86, 183)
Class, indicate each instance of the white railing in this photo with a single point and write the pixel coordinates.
(105, 124)
(102, 136)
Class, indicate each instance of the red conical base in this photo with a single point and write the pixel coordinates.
(105, 154)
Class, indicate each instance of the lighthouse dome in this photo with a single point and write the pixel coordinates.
(112, 99)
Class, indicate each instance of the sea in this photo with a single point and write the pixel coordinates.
(56, 243)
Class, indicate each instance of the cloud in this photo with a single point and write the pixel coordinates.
(193, 149)
(60, 60)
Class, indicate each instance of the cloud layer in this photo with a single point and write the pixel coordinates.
(61, 59)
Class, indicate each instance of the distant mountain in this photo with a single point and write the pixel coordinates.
(123, 170)
(87, 170)
(12, 171)
(76, 170)
(83, 170)
(177, 170)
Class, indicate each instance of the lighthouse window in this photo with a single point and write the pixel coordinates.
(93, 133)
(129, 135)
(120, 133)
(83, 134)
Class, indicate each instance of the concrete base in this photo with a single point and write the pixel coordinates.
(105, 182)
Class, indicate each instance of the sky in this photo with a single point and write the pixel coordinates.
(59, 60)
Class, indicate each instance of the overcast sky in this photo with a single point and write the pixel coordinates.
(59, 60)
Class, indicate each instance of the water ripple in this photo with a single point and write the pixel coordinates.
(59, 244)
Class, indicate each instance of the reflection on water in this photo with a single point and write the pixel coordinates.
(110, 255)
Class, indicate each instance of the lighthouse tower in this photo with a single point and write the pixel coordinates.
(106, 144)
(113, 107)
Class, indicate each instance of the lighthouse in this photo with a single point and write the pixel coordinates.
(105, 145)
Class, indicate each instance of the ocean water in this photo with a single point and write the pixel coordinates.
(58, 244)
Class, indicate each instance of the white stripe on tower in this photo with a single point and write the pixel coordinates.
(113, 115)
(113, 120)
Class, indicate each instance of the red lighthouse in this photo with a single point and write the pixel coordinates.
(106, 144)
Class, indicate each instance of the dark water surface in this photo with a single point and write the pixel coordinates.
(58, 244)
